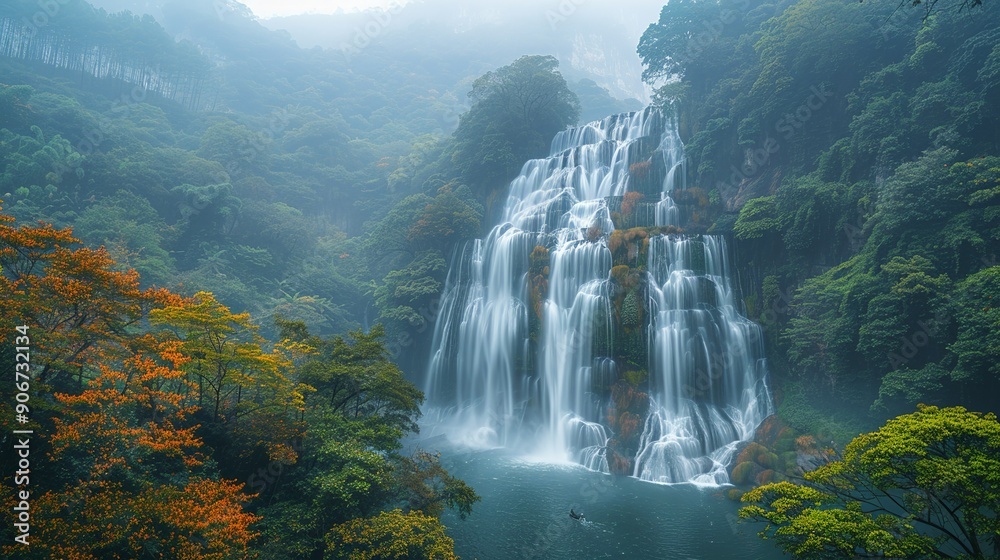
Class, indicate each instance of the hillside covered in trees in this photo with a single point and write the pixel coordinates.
(229, 254)
(852, 152)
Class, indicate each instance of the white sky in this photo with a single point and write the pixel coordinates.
(270, 8)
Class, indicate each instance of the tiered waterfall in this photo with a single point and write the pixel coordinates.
(588, 327)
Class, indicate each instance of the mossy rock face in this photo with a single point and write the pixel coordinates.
(788, 460)
(734, 494)
(631, 311)
(768, 460)
(620, 274)
(766, 477)
(635, 377)
(769, 431)
(745, 473)
(632, 349)
(618, 463)
(750, 453)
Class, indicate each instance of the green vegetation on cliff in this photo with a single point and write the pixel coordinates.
(854, 149)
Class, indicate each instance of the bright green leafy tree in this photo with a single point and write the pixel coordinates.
(926, 484)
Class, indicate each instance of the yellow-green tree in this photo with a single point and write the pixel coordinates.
(229, 365)
(350, 468)
(243, 390)
(390, 535)
(927, 484)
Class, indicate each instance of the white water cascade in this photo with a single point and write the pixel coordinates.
(529, 344)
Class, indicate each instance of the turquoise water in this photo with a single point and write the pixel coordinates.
(524, 513)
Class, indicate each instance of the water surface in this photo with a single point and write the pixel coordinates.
(525, 506)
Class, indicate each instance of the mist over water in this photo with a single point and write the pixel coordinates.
(494, 381)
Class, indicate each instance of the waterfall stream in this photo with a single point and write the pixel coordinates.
(619, 349)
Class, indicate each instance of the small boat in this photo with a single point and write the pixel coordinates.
(575, 515)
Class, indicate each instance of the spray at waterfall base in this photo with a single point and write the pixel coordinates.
(588, 327)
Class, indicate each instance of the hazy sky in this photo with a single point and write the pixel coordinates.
(271, 8)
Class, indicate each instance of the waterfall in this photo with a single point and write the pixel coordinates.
(587, 328)
(707, 371)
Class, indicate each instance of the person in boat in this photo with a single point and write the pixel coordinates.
(574, 514)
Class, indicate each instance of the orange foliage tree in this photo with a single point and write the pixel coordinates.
(125, 476)
(73, 298)
(138, 482)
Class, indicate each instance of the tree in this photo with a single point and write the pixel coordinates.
(350, 467)
(391, 535)
(133, 232)
(406, 297)
(134, 479)
(926, 484)
(245, 393)
(236, 147)
(75, 299)
(354, 378)
(14, 109)
(277, 227)
(516, 110)
(670, 46)
(930, 5)
(758, 218)
(978, 342)
(446, 220)
(43, 174)
(426, 486)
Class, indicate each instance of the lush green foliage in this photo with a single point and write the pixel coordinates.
(860, 183)
(516, 110)
(924, 485)
(278, 187)
(275, 183)
(162, 402)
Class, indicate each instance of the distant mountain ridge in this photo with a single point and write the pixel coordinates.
(590, 42)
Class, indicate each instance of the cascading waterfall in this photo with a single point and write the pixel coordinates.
(530, 346)
(707, 368)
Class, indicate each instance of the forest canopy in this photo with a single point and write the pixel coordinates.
(230, 253)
